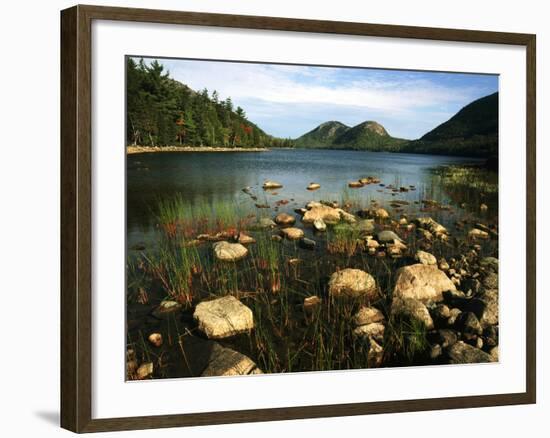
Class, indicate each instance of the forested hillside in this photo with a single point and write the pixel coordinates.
(162, 111)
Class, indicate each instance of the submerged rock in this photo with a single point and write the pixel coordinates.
(292, 233)
(313, 186)
(227, 362)
(165, 308)
(353, 283)
(223, 317)
(307, 243)
(264, 223)
(422, 282)
(245, 239)
(271, 185)
(284, 219)
(229, 252)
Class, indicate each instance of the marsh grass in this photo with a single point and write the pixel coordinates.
(286, 337)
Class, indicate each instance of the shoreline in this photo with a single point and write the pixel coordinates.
(155, 149)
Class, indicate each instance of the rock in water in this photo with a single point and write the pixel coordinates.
(223, 317)
(313, 186)
(347, 217)
(271, 185)
(328, 214)
(422, 282)
(432, 226)
(165, 308)
(227, 362)
(354, 283)
(265, 222)
(245, 239)
(284, 219)
(307, 243)
(387, 236)
(461, 352)
(319, 225)
(355, 184)
(478, 234)
(425, 258)
(229, 252)
(292, 233)
(412, 309)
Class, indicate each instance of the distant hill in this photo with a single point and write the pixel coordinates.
(473, 131)
(368, 135)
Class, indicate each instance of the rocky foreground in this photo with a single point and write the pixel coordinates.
(454, 302)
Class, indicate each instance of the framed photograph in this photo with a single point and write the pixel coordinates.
(268, 218)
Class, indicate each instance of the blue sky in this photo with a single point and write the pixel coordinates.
(290, 100)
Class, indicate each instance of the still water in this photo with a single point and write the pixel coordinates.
(217, 176)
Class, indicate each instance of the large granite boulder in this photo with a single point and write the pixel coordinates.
(352, 283)
(229, 252)
(223, 317)
(421, 282)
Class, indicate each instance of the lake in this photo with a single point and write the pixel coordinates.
(221, 176)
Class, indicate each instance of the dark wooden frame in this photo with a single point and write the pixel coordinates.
(76, 174)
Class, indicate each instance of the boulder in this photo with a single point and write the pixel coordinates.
(227, 362)
(476, 233)
(412, 309)
(245, 239)
(319, 225)
(311, 303)
(375, 355)
(165, 308)
(353, 283)
(489, 312)
(346, 217)
(267, 185)
(355, 184)
(229, 252)
(264, 223)
(461, 353)
(432, 226)
(223, 317)
(144, 371)
(379, 213)
(388, 236)
(155, 339)
(421, 282)
(365, 226)
(313, 186)
(284, 219)
(469, 325)
(292, 233)
(446, 337)
(367, 315)
(313, 204)
(328, 214)
(374, 331)
(425, 258)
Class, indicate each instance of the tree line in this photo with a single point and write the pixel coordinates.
(161, 111)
